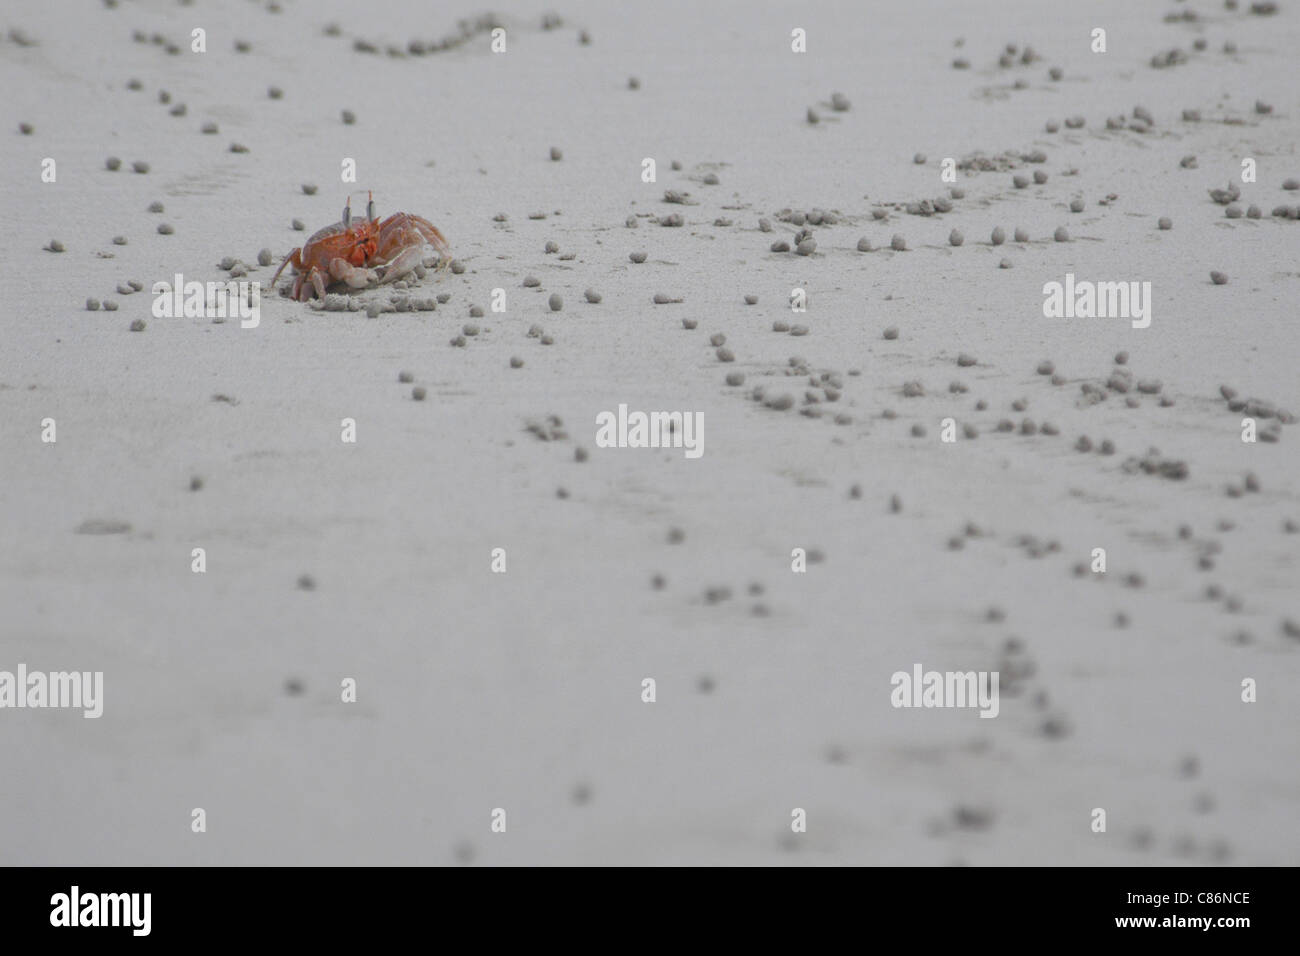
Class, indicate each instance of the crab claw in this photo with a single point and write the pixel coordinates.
(357, 277)
(403, 265)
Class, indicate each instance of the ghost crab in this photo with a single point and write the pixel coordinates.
(351, 250)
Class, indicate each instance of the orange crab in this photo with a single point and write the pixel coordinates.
(349, 251)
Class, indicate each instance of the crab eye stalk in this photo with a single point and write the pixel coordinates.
(370, 210)
(347, 215)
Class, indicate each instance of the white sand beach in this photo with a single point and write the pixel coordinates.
(372, 560)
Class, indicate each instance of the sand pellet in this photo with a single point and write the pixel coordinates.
(165, 229)
(998, 236)
(956, 238)
(92, 305)
(418, 393)
(898, 243)
(555, 302)
(780, 246)
(297, 225)
(137, 325)
(690, 324)
(476, 311)
(1020, 181)
(806, 247)
(110, 305)
(592, 296)
(751, 300)
(1219, 278)
(113, 163)
(140, 166)
(457, 267)
(637, 257)
(864, 244)
(1061, 235)
(516, 362)
(891, 333)
(309, 189)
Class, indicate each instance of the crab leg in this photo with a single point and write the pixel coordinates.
(296, 258)
(431, 234)
(318, 282)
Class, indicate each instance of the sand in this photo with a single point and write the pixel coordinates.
(522, 690)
